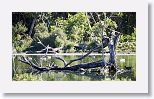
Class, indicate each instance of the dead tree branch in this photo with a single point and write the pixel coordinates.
(59, 58)
(29, 62)
(71, 61)
(47, 49)
(72, 68)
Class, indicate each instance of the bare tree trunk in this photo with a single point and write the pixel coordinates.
(102, 35)
(32, 27)
(112, 53)
(112, 47)
(102, 46)
(116, 40)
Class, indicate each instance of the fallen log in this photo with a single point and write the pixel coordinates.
(53, 67)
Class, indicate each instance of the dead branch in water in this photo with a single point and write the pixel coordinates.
(55, 67)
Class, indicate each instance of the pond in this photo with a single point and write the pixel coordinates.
(24, 72)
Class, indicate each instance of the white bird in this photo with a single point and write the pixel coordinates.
(43, 58)
(30, 58)
(122, 60)
(49, 57)
(39, 42)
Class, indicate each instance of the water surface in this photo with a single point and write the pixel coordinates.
(24, 72)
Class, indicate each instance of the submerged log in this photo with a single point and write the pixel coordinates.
(53, 67)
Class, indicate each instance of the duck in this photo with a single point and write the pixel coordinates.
(43, 58)
(30, 58)
(128, 67)
(81, 69)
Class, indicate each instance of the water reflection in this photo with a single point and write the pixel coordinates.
(22, 71)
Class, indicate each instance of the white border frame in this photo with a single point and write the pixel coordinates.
(138, 86)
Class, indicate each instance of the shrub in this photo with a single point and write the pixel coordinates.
(21, 41)
(56, 38)
(92, 45)
(69, 47)
(59, 42)
(19, 28)
(41, 31)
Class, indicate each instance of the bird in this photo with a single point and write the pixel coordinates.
(30, 58)
(39, 42)
(128, 67)
(43, 58)
(81, 69)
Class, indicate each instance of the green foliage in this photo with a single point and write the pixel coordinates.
(20, 40)
(126, 47)
(25, 77)
(120, 14)
(55, 39)
(92, 45)
(71, 28)
(58, 37)
(69, 47)
(41, 31)
(21, 45)
(74, 26)
(128, 38)
(59, 42)
(127, 43)
(19, 28)
(110, 23)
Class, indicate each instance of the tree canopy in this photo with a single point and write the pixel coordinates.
(71, 31)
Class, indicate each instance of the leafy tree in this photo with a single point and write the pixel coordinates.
(57, 29)
(20, 40)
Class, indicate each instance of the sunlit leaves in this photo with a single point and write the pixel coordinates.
(77, 27)
(20, 39)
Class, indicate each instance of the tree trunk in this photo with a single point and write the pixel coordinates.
(112, 47)
(32, 27)
(112, 53)
(102, 36)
